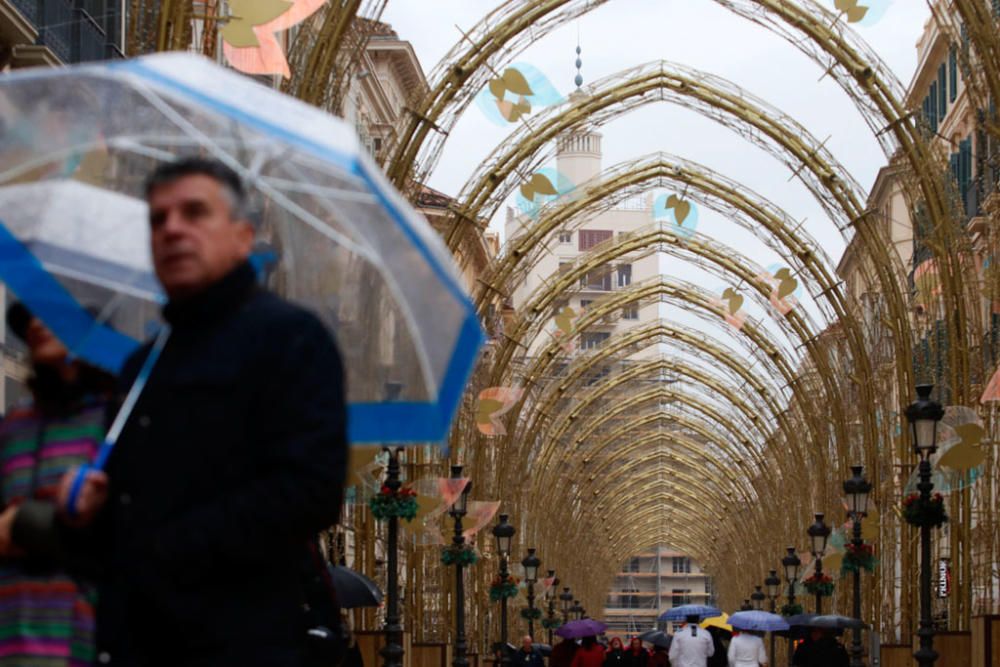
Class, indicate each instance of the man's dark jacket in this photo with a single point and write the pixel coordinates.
(233, 458)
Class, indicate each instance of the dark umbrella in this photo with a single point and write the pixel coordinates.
(657, 638)
(832, 622)
(353, 588)
(544, 649)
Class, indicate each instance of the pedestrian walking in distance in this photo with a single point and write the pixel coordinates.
(747, 650)
(528, 655)
(692, 646)
(636, 656)
(233, 458)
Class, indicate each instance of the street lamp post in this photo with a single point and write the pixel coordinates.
(792, 565)
(818, 534)
(531, 562)
(757, 599)
(504, 534)
(566, 601)
(856, 490)
(773, 585)
(746, 606)
(576, 610)
(392, 652)
(550, 601)
(924, 415)
(457, 512)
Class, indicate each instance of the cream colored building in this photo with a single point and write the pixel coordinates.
(578, 161)
(649, 584)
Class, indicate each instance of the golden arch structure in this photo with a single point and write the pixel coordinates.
(755, 419)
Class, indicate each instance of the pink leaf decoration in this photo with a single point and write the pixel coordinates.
(450, 489)
(480, 513)
(992, 391)
(269, 57)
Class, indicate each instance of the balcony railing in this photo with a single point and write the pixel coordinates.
(71, 32)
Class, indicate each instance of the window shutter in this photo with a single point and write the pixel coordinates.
(953, 72)
(591, 237)
(942, 91)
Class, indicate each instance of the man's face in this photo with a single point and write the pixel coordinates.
(195, 241)
(43, 346)
(526, 643)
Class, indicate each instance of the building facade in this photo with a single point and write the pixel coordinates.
(649, 584)
(578, 160)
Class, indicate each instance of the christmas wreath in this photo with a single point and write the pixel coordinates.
(462, 555)
(919, 513)
(859, 558)
(551, 623)
(503, 588)
(791, 609)
(387, 503)
(531, 614)
(821, 585)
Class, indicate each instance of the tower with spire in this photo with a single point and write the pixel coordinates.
(578, 153)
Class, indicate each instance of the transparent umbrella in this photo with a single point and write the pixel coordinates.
(333, 235)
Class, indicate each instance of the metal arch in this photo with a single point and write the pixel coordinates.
(636, 422)
(675, 335)
(750, 419)
(661, 168)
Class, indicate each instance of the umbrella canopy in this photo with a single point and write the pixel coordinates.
(682, 612)
(353, 588)
(833, 622)
(584, 627)
(657, 638)
(342, 242)
(761, 621)
(721, 622)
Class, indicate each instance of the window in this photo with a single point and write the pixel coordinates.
(624, 275)
(632, 565)
(591, 237)
(630, 312)
(681, 565)
(953, 73)
(598, 279)
(591, 340)
(564, 267)
(565, 237)
(680, 596)
(585, 303)
(961, 169)
(942, 91)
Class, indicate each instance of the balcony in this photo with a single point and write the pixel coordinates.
(69, 32)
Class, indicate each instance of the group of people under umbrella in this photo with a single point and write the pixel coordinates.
(707, 638)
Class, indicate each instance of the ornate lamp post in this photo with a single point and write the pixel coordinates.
(550, 602)
(392, 652)
(856, 489)
(457, 512)
(531, 562)
(566, 600)
(503, 532)
(818, 534)
(757, 599)
(773, 585)
(576, 610)
(793, 565)
(924, 415)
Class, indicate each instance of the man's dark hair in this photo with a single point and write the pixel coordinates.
(168, 172)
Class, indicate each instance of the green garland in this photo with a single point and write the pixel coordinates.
(501, 589)
(464, 555)
(401, 503)
(531, 614)
(924, 513)
(551, 623)
(791, 609)
(859, 558)
(822, 586)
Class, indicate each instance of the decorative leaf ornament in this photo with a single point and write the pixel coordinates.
(681, 208)
(249, 39)
(539, 184)
(494, 403)
(855, 12)
(514, 82)
(245, 15)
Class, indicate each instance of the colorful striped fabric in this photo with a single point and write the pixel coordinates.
(46, 620)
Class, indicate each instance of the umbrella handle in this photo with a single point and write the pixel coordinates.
(74, 491)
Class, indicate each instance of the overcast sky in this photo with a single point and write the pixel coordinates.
(701, 34)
